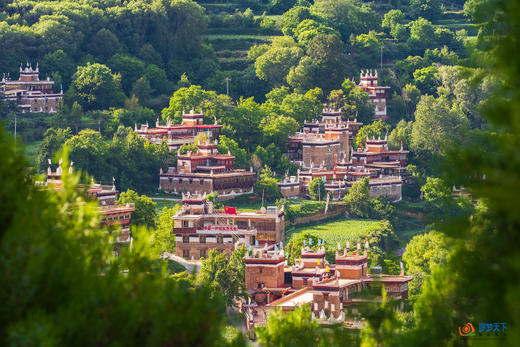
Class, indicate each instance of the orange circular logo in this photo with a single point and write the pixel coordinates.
(466, 329)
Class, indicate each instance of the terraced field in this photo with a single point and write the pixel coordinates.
(232, 49)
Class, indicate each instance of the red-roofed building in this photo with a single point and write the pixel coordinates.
(29, 92)
(332, 291)
(179, 134)
(199, 228)
(207, 171)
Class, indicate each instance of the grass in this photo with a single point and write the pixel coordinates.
(160, 204)
(242, 203)
(31, 151)
(412, 206)
(337, 231)
(161, 194)
(174, 267)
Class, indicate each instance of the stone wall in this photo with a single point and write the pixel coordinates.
(265, 275)
(391, 191)
(180, 185)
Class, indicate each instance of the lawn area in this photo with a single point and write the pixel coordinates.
(242, 203)
(337, 231)
(160, 204)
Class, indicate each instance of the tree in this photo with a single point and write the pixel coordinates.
(267, 185)
(317, 189)
(244, 121)
(75, 115)
(293, 17)
(422, 254)
(392, 18)
(297, 328)
(88, 152)
(425, 79)
(54, 240)
(309, 29)
(52, 141)
(158, 80)
(429, 9)
(145, 212)
(422, 33)
(195, 98)
(357, 103)
(358, 199)
(132, 160)
(226, 145)
(402, 133)
(327, 53)
(60, 62)
(376, 129)
(303, 76)
(188, 147)
(96, 87)
(274, 65)
(346, 16)
(130, 69)
(104, 44)
(437, 125)
(142, 89)
(163, 239)
(277, 129)
(224, 276)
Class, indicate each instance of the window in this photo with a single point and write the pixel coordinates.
(170, 180)
(261, 270)
(394, 188)
(220, 239)
(185, 224)
(304, 281)
(185, 253)
(185, 239)
(203, 253)
(202, 238)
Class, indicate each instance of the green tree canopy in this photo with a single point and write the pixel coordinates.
(422, 254)
(53, 239)
(274, 65)
(358, 199)
(162, 238)
(96, 87)
(267, 185)
(225, 275)
(437, 124)
(145, 213)
(317, 189)
(50, 145)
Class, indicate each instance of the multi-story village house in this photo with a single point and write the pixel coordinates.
(30, 93)
(199, 227)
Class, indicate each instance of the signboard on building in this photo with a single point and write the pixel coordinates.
(221, 227)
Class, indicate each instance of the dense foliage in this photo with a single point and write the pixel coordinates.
(68, 285)
(262, 77)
